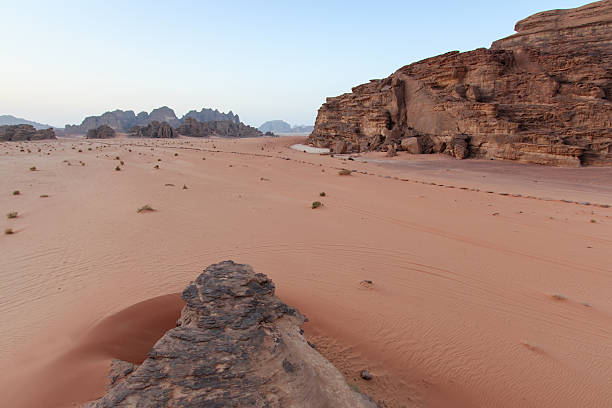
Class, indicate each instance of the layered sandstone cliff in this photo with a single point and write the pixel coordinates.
(541, 96)
(235, 345)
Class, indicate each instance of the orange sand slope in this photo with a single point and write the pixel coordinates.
(478, 299)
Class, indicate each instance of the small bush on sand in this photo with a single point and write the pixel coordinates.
(316, 204)
(117, 158)
(12, 214)
(9, 231)
(145, 208)
(121, 162)
(44, 195)
(175, 154)
(322, 194)
(344, 172)
(558, 296)
(593, 221)
(117, 168)
(156, 166)
(16, 192)
(185, 187)
(33, 168)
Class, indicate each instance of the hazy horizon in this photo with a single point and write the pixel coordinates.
(261, 61)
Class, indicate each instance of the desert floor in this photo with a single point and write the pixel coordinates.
(487, 289)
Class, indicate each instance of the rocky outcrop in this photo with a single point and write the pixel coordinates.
(208, 115)
(124, 121)
(101, 132)
(119, 120)
(235, 345)
(154, 129)
(24, 132)
(540, 96)
(220, 128)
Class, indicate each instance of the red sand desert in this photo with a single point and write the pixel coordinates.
(487, 289)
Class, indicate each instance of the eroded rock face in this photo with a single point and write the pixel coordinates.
(235, 345)
(24, 132)
(540, 96)
(222, 128)
(154, 129)
(101, 132)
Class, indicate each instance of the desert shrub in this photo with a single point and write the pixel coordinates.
(9, 231)
(316, 204)
(12, 214)
(33, 168)
(117, 168)
(344, 172)
(322, 194)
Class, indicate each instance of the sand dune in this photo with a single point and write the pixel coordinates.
(477, 299)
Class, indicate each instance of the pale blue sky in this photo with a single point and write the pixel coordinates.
(63, 60)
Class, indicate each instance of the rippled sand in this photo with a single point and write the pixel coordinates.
(477, 298)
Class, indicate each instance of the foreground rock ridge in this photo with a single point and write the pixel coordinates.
(235, 345)
(541, 95)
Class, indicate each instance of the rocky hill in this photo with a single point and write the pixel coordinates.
(123, 121)
(24, 132)
(209, 115)
(541, 95)
(235, 345)
(221, 128)
(280, 126)
(12, 120)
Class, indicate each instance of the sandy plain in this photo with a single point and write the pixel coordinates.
(488, 290)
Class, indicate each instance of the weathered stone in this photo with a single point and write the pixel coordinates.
(24, 132)
(411, 145)
(541, 96)
(235, 345)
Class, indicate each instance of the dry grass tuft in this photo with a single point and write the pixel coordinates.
(12, 214)
(344, 172)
